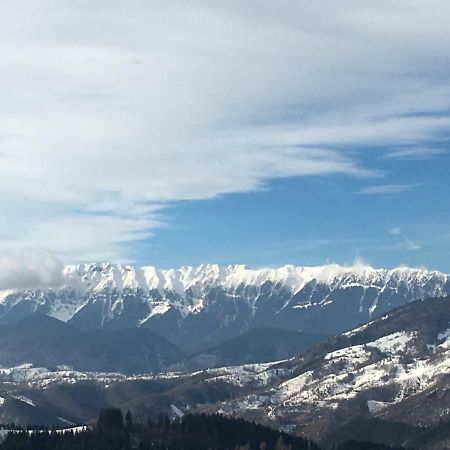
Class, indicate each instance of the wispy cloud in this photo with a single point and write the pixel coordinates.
(387, 189)
(414, 153)
(403, 241)
(118, 109)
(410, 245)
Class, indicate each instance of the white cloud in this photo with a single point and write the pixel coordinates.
(112, 110)
(410, 245)
(30, 268)
(387, 189)
(414, 153)
(405, 243)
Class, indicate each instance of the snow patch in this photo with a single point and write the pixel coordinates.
(395, 342)
(177, 411)
(24, 399)
(376, 406)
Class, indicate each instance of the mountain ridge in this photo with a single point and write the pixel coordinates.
(45, 341)
(118, 276)
(200, 307)
(394, 368)
(259, 345)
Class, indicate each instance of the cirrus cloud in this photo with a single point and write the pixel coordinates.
(112, 110)
(388, 189)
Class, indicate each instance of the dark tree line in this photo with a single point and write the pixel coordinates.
(193, 432)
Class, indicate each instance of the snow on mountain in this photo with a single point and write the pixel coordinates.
(101, 277)
(211, 303)
(394, 368)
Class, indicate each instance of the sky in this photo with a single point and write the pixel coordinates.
(259, 132)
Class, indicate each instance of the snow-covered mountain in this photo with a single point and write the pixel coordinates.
(395, 368)
(210, 303)
(391, 373)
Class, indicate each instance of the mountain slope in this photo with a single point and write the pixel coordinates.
(395, 368)
(200, 307)
(398, 434)
(48, 342)
(259, 345)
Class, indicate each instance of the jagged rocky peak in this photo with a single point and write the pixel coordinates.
(219, 302)
(116, 276)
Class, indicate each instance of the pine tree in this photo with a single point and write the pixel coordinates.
(280, 444)
(128, 420)
(110, 419)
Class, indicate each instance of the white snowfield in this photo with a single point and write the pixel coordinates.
(184, 288)
(41, 377)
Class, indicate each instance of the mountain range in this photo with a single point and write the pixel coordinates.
(395, 368)
(200, 307)
(388, 378)
(44, 341)
(326, 352)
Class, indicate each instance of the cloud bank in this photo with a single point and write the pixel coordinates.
(30, 268)
(113, 110)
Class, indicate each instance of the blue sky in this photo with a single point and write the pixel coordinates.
(312, 221)
(262, 133)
